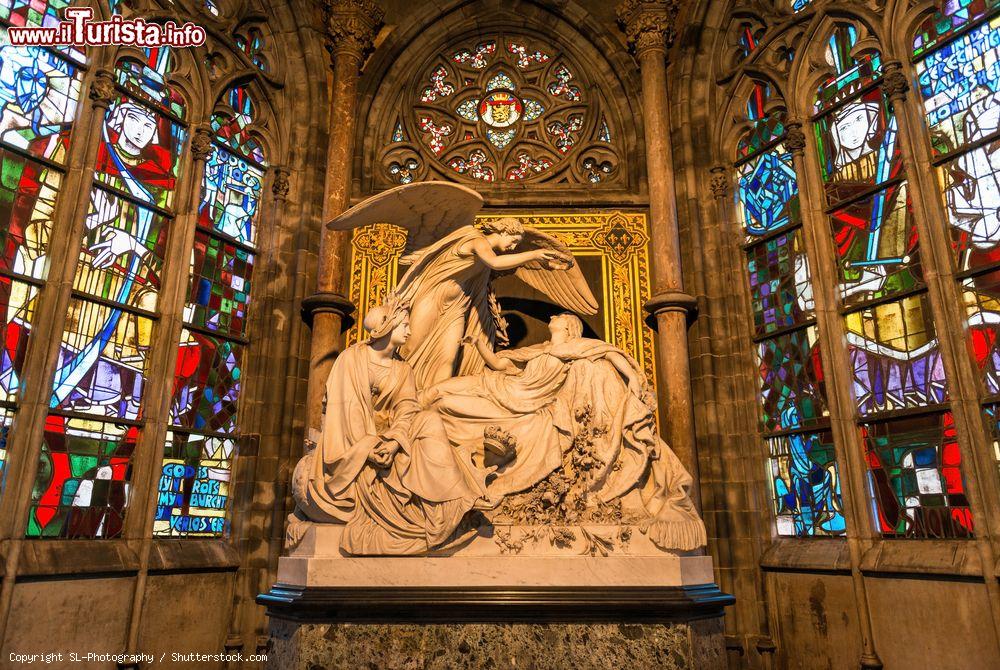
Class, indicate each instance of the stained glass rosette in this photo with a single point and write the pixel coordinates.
(500, 109)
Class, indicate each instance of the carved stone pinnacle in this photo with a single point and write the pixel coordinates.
(720, 181)
(102, 88)
(201, 143)
(351, 26)
(649, 24)
(795, 139)
(280, 185)
(895, 85)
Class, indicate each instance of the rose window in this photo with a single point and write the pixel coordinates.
(501, 109)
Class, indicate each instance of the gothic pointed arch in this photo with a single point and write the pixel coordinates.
(500, 105)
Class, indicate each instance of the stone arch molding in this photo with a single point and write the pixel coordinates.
(499, 106)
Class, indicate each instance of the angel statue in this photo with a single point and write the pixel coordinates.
(452, 263)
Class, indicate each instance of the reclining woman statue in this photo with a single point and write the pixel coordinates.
(383, 467)
(541, 394)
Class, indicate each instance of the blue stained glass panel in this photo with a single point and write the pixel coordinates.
(805, 485)
(768, 193)
(194, 486)
(960, 87)
(230, 196)
(39, 96)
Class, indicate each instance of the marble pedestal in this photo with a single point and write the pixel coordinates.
(476, 607)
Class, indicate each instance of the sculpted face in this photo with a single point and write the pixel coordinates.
(401, 333)
(558, 330)
(506, 241)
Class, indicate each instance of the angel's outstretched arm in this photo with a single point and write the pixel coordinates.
(502, 262)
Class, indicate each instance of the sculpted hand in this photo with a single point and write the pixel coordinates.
(554, 260)
(382, 453)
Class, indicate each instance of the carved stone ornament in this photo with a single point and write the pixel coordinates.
(102, 88)
(201, 143)
(795, 139)
(351, 26)
(280, 185)
(895, 84)
(720, 181)
(649, 25)
(435, 439)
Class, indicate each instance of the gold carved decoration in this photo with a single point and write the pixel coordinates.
(619, 239)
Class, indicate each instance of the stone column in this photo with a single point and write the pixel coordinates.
(351, 26)
(650, 30)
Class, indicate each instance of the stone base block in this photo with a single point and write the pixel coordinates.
(687, 645)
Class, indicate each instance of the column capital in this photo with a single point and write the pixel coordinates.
(672, 301)
(351, 26)
(795, 137)
(280, 185)
(650, 25)
(720, 181)
(201, 142)
(326, 303)
(102, 88)
(895, 84)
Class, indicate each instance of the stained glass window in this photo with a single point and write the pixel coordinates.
(895, 356)
(767, 125)
(194, 485)
(915, 478)
(952, 17)
(852, 72)
(768, 192)
(101, 370)
(891, 338)
(252, 44)
(502, 108)
(981, 295)
(957, 60)
(83, 484)
(39, 97)
(780, 284)
(991, 413)
(17, 299)
(876, 243)
(806, 485)
(41, 13)
(802, 467)
(198, 456)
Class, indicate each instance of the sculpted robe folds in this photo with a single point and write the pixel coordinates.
(449, 288)
(414, 505)
(540, 407)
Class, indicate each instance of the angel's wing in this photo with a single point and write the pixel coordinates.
(565, 285)
(428, 210)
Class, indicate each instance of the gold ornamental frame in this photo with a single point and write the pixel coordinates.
(619, 239)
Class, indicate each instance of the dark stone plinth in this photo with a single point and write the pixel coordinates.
(678, 645)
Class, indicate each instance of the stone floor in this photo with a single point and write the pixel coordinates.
(524, 646)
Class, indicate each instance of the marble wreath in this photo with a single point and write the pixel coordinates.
(430, 434)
